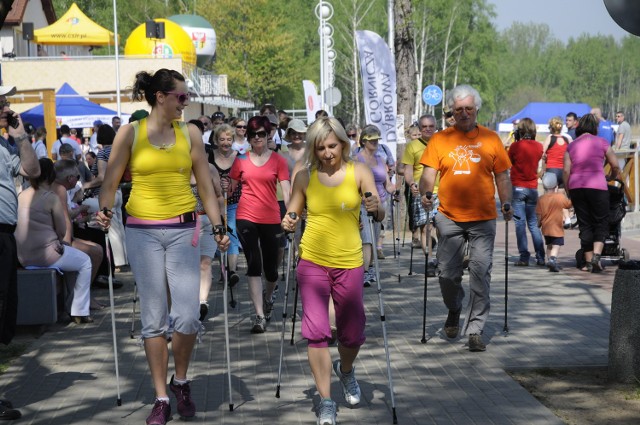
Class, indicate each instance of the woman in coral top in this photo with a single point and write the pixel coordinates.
(331, 266)
(258, 216)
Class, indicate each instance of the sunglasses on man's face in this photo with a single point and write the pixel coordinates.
(260, 134)
(182, 97)
(351, 135)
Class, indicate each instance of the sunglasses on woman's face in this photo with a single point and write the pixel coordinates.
(182, 97)
(241, 126)
(260, 134)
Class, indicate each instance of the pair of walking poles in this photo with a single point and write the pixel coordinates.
(135, 298)
(380, 304)
(505, 329)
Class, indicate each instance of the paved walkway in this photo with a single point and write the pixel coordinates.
(555, 319)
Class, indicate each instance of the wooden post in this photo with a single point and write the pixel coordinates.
(49, 107)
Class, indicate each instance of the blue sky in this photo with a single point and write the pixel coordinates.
(566, 18)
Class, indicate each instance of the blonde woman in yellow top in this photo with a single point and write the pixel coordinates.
(332, 187)
(161, 232)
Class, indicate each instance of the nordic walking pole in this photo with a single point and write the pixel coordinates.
(411, 197)
(133, 313)
(396, 254)
(406, 217)
(284, 307)
(393, 226)
(232, 303)
(293, 314)
(105, 211)
(426, 273)
(226, 325)
(225, 275)
(382, 318)
(397, 216)
(505, 330)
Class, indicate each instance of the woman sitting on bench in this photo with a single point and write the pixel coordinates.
(39, 234)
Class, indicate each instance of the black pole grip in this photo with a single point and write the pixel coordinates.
(293, 216)
(507, 207)
(429, 195)
(366, 195)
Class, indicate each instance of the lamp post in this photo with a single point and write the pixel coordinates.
(324, 12)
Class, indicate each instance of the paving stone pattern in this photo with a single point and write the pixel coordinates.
(555, 319)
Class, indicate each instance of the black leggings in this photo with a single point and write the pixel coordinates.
(260, 245)
(592, 211)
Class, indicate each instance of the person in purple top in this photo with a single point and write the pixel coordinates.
(369, 154)
(587, 187)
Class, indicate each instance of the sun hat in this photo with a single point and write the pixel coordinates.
(297, 125)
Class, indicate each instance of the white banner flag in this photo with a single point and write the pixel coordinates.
(312, 100)
(379, 85)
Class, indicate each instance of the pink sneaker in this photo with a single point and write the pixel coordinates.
(160, 413)
(186, 408)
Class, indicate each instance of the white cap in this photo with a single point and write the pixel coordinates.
(7, 90)
(549, 181)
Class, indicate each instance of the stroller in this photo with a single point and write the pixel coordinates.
(617, 210)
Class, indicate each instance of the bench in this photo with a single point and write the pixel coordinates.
(38, 296)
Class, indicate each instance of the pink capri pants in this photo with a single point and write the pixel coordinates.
(316, 284)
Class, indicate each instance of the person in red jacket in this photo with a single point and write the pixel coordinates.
(525, 155)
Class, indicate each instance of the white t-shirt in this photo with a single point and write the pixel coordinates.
(93, 143)
(40, 148)
(625, 129)
(242, 148)
(77, 150)
(205, 137)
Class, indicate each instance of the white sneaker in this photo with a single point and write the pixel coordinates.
(350, 387)
(326, 412)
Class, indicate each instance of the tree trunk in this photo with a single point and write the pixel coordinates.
(405, 60)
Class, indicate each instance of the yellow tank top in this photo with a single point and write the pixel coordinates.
(332, 234)
(160, 176)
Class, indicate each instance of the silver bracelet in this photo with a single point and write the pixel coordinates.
(21, 138)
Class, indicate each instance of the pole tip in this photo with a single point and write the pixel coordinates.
(119, 401)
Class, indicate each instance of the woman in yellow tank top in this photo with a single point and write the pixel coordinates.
(331, 265)
(161, 231)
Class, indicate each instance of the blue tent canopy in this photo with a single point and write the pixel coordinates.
(71, 109)
(542, 112)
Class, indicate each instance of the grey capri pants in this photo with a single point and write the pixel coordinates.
(162, 257)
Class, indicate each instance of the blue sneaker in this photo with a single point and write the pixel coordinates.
(350, 387)
(326, 412)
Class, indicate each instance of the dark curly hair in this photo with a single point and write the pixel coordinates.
(147, 85)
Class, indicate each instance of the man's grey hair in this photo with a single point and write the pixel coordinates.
(462, 91)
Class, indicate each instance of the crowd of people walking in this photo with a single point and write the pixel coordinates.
(174, 195)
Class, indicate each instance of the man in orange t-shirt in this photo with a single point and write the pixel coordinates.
(470, 158)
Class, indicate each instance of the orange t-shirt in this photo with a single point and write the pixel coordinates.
(549, 208)
(467, 163)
